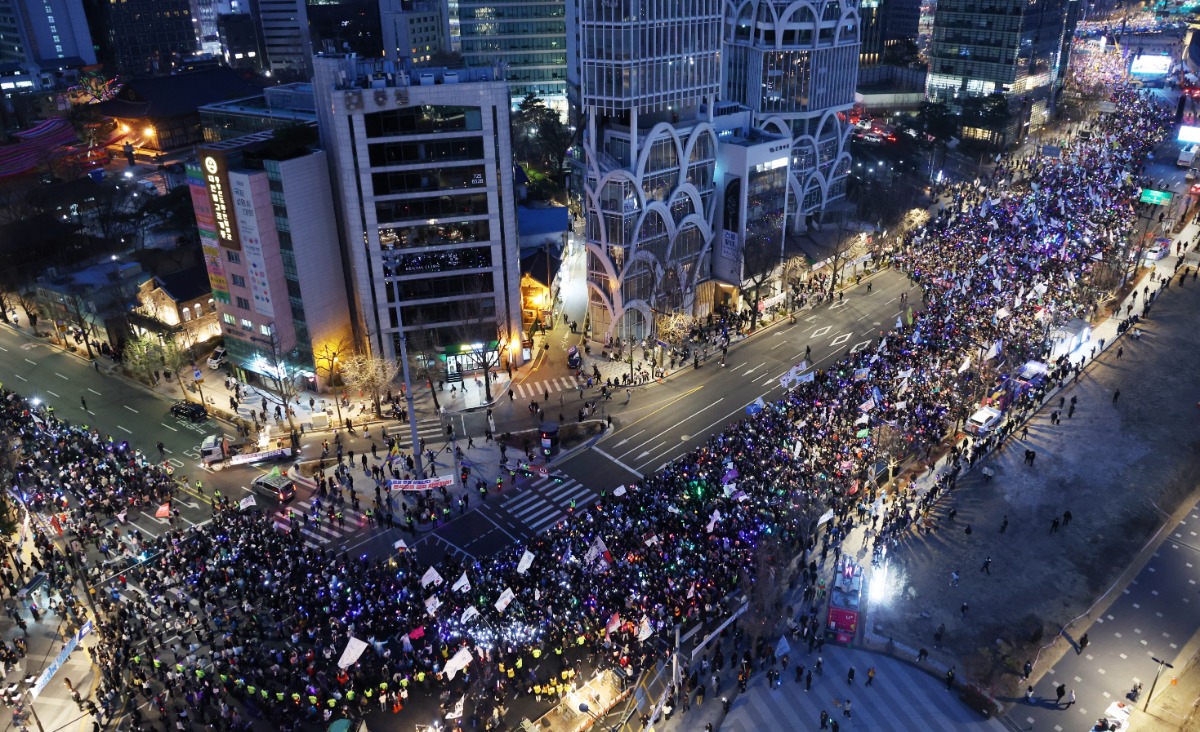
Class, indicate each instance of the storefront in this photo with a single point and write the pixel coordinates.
(467, 358)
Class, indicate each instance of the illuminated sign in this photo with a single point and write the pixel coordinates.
(1157, 198)
(217, 184)
(1150, 65)
(1188, 134)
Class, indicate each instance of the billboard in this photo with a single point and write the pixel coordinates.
(1150, 65)
(1188, 134)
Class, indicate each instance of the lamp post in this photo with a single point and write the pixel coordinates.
(583, 707)
(1161, 663)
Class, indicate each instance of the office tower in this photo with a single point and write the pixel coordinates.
(797, 73)
(414, 31)
(143, 37)
(283, 25)
(885, 23)
(265, 211)
(649, 77)
(346, 26)
(422, 164)
(528, 38)
(1018, 48)
(40, 38)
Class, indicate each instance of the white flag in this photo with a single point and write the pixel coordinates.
(431, 577)
(644, 630)
(457, 663)
(862, 420)
(620, 491)
(712, 520)
(432, 603)
(782, 646)
(354, 649)
(966, 364)
(247, 502)
(463, 584)
(468, 614)
(525, 563)
(692, 591)
(505, 598)
(400, 546)
(457, 712)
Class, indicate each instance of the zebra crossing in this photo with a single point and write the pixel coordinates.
(542, 504)
(319, 533)
(429, 429)
(537, 389)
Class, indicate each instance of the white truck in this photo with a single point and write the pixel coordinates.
(1187, 156)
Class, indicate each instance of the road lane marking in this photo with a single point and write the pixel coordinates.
(124, 430)
(668, 429)
(164, 424)
(94, 391)
(52, 394)
(627, 439)
(618, 462)
(751, 370)
(777, 345)
(61, 376)
(22, 378)
(32, 362)
(130, 408)
(2, 348)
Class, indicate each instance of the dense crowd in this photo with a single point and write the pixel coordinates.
(237, 611)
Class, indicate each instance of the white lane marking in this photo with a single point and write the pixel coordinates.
(22, 378)
(32, 362)
(164, 424)
(130, 408)
(61, 376)
(94, 391)
(124, 430)
(52, 394)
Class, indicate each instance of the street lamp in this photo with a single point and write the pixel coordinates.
(1161, 663)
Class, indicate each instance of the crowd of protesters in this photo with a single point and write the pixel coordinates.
(234, 618)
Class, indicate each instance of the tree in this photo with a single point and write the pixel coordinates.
(938, 120)
(527, 122)
(78, 310)
(758, 266)
(330, 358)
(370, 374)
(284, 373)
(763, 583)
(142, 356)
(479, 325)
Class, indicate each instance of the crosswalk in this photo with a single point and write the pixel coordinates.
(542, 504)
(430, 429)
(538, 389)
(321, 533)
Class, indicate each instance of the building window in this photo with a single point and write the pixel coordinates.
(187, 315)
(242, 303)
(265, 330)
(247, 325)
(229, 318)
(238, 280)
(233, 256)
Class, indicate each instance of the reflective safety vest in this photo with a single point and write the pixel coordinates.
(332, 703)
(350, 695)
(421, 676)
(264, 693)
(312, 700)
(537, 652)
(369, 692)
(279, 696)
(250, 690)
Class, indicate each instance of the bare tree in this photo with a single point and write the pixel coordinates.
(370, 374)
(330, 358)
(78, 310)
(758, 266)
(478, 327)
(142, 355)
(284, 373)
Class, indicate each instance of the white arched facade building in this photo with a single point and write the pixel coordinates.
(665, 86)
(795, 66)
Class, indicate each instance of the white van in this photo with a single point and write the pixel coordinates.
(983, 421)
(1186, 156)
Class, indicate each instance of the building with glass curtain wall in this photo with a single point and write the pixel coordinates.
(795, 66)
(649, 79)
(529, 37)
(423, 169)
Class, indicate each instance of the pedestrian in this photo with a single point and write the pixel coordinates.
(1083, 643)
(1054, 526)
(950, 679)
(1071, 411)
(1070, 699)
(846, 709)
(1027, 670)
(1029, 694)
(1116, 396)
(84, 403)
(1004, 525)
(808, 681)
(954, 579)
(870, 676)
(963, 609)
(987, 565)
(922, 655)
(1060, 691)
(1066, 518)
(1120, 351)
(628, 395)
(824, 719)
(850, 676)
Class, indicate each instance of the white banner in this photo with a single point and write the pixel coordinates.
(462, 585)
(457, 663)
(712, 520)
(432, 603)
(644, 630)
(506, 597)
(247, 502)
(525, 563)
(468, 614)
(354, 649)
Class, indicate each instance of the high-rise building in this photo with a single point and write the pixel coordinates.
(423, 167)
(40, 40)
(649, 81)
(265, 211)
(797, 73)
(141, 37)
(240, 45)
(414, 31)
(885, 23)
(1018, 48)
(528, 38)
(346, 26)
(283, 26)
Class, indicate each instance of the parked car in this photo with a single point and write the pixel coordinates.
(1159, 249)
(190, 411)
(217, 359)
(982, 422)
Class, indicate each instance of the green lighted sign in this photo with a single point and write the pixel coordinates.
(1157, 198)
